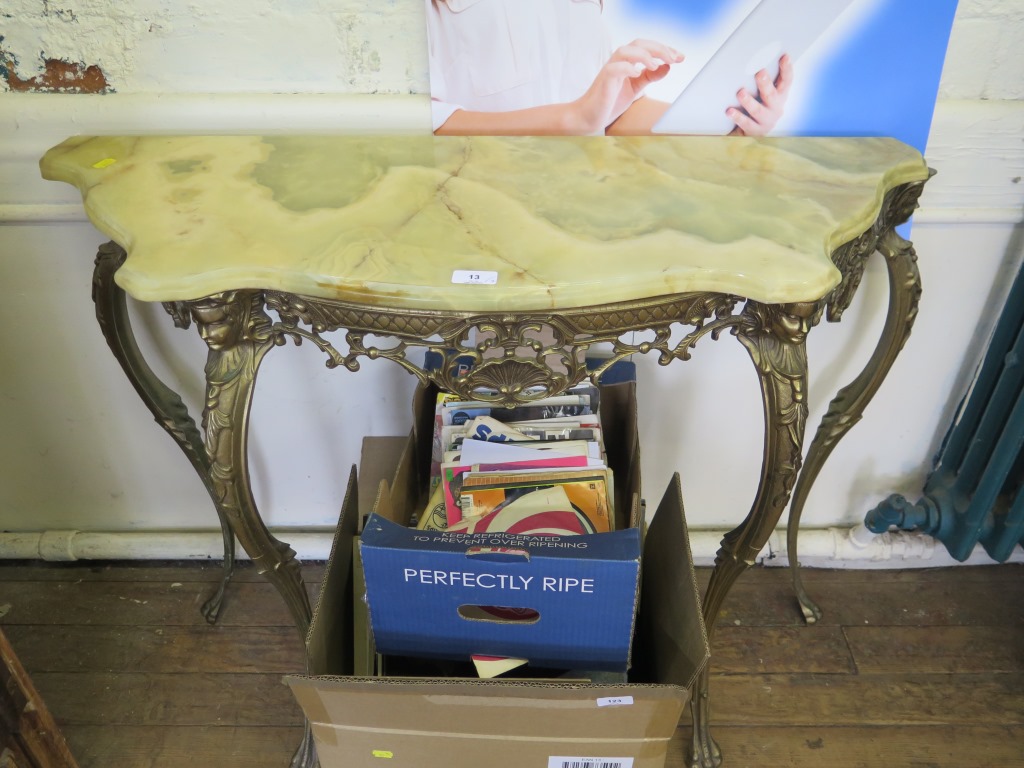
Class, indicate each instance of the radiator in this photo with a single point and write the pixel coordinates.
(973, 493)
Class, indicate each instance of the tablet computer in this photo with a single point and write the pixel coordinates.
(772, 28)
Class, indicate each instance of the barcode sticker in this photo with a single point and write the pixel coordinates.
(590, 762)
(474, 277)
(615, 701)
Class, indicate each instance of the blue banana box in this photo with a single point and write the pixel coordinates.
(558, 601)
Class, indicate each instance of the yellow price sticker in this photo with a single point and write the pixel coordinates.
(105, 162)
(382, 753)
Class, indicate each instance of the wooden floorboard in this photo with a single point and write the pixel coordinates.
(921, 668)
(768, 600)
(265, 746)
(937, 649)
(862, 700)
(157, 649)
(815, 650)
(823, 746)
(161, 699)
(191, 570)
(139, 604)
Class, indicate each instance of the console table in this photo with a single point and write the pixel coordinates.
(520, 253)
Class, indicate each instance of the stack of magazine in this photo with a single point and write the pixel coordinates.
(536, 469)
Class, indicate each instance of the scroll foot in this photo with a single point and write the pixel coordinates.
(812, 613)
(705, 752)
(211, 608)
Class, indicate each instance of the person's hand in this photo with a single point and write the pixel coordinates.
(761, 115)
(621, 80)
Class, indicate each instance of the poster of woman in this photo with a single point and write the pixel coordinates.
(742, 67)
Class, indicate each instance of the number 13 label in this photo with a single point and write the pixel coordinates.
(474, 277)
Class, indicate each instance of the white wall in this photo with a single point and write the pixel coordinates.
(78, 449)
(229, 46)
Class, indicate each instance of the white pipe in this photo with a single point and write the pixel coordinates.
(148, 545)
(857, 547)
(854, 547)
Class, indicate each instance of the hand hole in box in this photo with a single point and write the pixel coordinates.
(499, 614)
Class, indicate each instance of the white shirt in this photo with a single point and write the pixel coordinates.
(500, 55)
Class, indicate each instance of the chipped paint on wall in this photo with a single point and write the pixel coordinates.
(58, 76)
(67, 46)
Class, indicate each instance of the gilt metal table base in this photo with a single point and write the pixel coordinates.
(521, 356)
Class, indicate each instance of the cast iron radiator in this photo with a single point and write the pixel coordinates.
(973, 493)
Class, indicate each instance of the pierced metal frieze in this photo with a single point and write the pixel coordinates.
(515, 357)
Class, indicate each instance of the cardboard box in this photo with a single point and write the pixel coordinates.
(465, 723)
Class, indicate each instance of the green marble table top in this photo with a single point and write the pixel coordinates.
(555, 222)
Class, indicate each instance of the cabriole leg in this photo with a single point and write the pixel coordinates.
(775, 337)
(163, 402)
(237, 330)
(848, 406)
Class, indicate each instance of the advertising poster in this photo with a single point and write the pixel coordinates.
(828, 67)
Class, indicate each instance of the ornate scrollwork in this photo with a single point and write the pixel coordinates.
(851, 260)
(225, 320)
(237, 331)
(898, 206)
(904, 284)
(109, 259)
(178, 310)
(774, 336)
(514, 379)
(515, 358)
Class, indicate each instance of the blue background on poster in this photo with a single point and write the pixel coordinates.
(691, 11)
(882, 82)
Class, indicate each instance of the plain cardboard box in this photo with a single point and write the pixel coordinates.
(463, 723)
